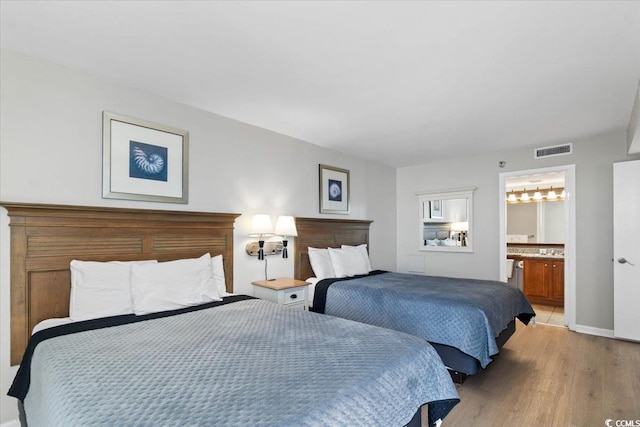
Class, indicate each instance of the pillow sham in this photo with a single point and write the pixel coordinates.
(321, 263)
(101, 289)
(347, 263)
(172, 285)
(217, 267)
(362, 250)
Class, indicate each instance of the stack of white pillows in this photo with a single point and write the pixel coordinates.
(344, 262)
(102, 289)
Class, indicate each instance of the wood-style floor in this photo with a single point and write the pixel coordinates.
(549, 376)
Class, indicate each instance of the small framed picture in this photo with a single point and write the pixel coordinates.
(334, 190)
(435, 209)
(143, 160)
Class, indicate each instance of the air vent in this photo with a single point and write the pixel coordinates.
(555, 150)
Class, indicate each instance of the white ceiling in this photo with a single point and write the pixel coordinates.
(396, 82)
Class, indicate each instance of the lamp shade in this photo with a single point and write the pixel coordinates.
(537, 195)
(286, 226)
(261, 225)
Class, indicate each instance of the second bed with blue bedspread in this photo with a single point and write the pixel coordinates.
(466, 314)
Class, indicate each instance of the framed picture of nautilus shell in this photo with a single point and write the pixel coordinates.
(334, 190)
(143, 160)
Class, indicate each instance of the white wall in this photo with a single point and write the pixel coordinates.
(593, 157)
(51, 152)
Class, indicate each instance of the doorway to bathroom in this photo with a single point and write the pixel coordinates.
(537, 216)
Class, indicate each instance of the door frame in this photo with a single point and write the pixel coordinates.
(570, 233)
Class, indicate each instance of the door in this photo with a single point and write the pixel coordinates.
(626, 250)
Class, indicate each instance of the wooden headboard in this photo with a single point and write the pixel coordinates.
(325, 233)
(45, 238)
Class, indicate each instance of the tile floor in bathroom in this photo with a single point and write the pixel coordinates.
(549, 315)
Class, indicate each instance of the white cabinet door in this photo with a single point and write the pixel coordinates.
(626, 249)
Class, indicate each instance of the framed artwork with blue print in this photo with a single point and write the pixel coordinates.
(143, 160)
(334, 190)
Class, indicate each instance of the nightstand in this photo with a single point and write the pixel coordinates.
(289, 293)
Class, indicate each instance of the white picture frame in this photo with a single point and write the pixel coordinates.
(144, 161)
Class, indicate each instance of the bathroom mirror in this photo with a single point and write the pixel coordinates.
(541, 222)
(446, 220)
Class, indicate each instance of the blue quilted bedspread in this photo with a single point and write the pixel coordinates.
(463, 313)
(244, 363)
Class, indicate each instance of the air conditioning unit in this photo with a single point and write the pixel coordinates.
(552, 151)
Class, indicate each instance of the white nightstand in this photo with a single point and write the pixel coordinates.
(290, 293)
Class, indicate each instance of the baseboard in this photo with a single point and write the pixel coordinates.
(590, 330)
(12, 423)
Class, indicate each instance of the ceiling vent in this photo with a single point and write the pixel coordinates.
(552, 151)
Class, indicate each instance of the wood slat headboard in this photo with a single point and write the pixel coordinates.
(45, 238)
(325, 233)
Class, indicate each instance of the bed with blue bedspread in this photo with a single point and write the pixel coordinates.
(240, 362)
(466, 320)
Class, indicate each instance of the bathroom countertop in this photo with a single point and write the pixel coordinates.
(536, 256)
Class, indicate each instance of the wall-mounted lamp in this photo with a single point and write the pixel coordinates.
(261, 227)
(286, 227)
(462, 228)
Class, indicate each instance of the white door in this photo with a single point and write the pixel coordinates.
(626, 249)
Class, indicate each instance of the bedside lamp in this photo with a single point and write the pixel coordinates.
(260, 227)
(286, 227)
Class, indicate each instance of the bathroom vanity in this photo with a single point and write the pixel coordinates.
(543, 272)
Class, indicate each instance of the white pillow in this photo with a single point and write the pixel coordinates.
(172, 285)
(101, 289)
(362, 250)
(347, 263)
(217, 267)
(321, 263)
(448, 242)
(434, 242)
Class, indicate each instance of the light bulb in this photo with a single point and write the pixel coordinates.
(537, 195)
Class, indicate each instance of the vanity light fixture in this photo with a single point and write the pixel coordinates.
(286, 227)
(544, 195)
